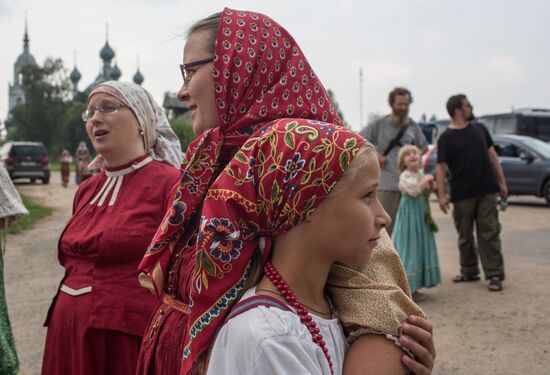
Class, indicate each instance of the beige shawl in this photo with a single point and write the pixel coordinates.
(376, 297)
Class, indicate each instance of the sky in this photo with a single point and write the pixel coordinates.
(496, 52)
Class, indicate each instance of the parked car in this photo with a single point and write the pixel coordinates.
(532, 122)
(525, 162)
(26, 160)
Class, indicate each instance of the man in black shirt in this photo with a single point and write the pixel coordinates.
(466, 148)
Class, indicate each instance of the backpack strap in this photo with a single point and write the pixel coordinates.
(255, 301)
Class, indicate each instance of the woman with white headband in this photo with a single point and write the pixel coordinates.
(98, 317)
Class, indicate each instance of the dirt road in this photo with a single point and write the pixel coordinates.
(476, 332)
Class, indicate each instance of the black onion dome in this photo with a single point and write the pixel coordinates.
(138, 78)
(107, 52)
(75, 75)
(115, 73)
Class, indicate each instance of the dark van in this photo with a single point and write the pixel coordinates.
(532, 122)
(26, 160)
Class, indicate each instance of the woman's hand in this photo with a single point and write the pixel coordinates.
(417, 336)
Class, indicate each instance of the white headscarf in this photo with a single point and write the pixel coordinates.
(10, 201)
(160, 140)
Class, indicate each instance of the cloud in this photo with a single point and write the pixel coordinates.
(505, 68)
(386, 71)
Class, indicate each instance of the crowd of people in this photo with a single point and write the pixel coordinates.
(466, 150)
(266, 248)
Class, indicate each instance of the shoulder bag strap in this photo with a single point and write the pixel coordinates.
(395, 141)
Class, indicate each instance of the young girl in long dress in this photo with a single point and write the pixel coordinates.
(413, 236)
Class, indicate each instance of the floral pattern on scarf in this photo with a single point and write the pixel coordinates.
(260, 75)
(273, 183)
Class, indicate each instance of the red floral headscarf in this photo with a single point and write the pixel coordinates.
(274, 182)
(260, 75)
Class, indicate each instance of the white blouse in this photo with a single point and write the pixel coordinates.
(409, 182)
(268, 340)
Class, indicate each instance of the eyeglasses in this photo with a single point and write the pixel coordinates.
(104, 109)
(187, 74)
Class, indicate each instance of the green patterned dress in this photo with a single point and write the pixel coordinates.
(9, 365)
(413, 235)
(10, 207)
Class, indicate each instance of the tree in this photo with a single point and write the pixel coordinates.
(337, 107)
(74, 127)
(183, 128)
(40, 117)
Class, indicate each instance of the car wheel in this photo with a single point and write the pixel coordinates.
(45, 181)
(33, 180)
(546, 192)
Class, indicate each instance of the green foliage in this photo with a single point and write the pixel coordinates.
(40, 117)
(36, 213)
(48, 115)
(74, 127)
(183, 128)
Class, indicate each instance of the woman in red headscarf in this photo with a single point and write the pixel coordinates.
(242, 72)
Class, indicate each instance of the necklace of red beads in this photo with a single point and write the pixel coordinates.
(271, 273)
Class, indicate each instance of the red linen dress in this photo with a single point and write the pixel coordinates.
(98, 317)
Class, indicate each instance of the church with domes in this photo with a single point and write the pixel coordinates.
(16, 93)
(108, 71)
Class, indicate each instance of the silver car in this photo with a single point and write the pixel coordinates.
(526, 164)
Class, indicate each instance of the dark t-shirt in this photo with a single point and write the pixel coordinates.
(466, 153)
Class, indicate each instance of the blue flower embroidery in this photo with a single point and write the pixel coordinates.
(250, 171)
(293, 166)
(226, 244)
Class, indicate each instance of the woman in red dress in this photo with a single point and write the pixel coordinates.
(241, 72)
(98, 317)
(65, 163)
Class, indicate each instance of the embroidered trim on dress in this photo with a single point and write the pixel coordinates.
(75, 292)
(115, 178)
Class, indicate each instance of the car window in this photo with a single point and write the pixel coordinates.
(538, 146)
(543, 127)
(507, 149)
(27, 150)
(489, 123)
(527, 126)
(506, 125)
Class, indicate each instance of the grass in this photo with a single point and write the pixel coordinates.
(55, 167)
(36, 213)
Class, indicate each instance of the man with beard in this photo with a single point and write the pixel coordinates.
(389, 134)
(466, 148)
